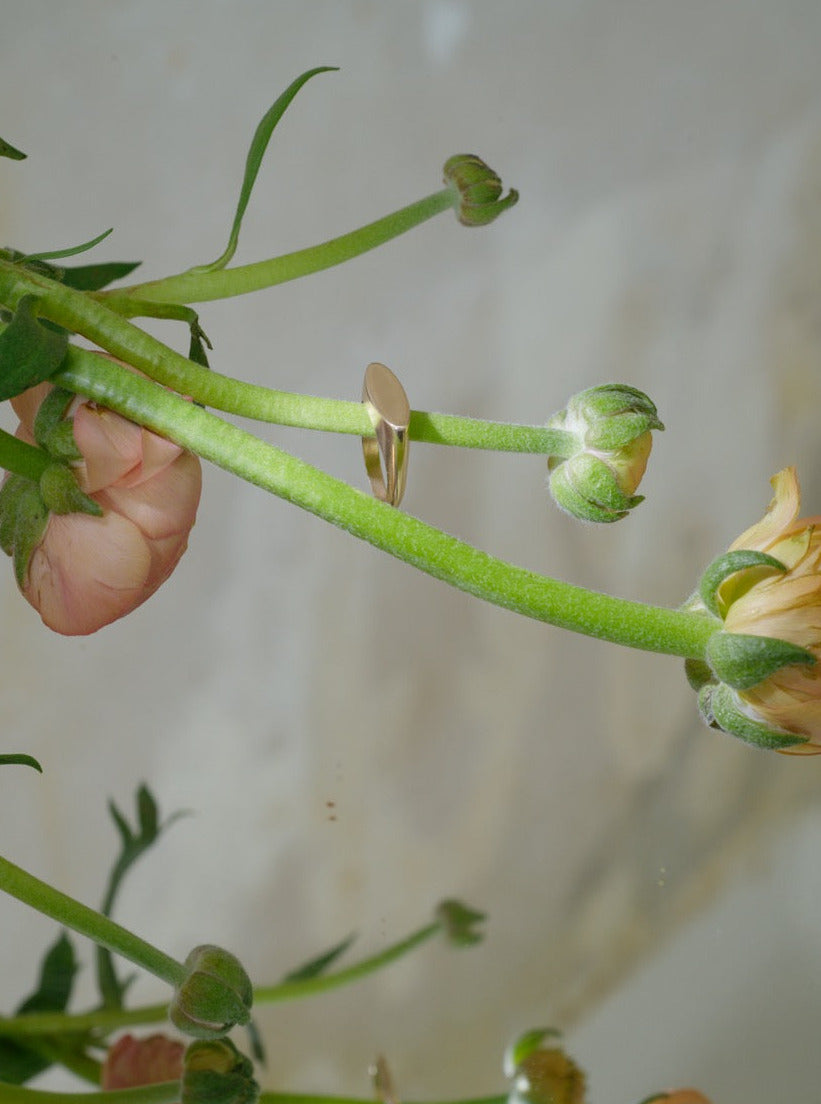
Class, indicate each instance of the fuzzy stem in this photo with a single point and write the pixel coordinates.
(87, 921)
(166, 1092)
(199, 287)
(634, 624)
(95, 321)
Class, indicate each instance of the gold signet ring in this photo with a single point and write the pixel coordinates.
(387, 405)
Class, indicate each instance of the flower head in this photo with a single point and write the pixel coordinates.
(84, 571)
(132, 1062)
(774, 604)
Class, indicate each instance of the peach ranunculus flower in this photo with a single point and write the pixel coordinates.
(785, 606)
(88, 571)
(132, 1062)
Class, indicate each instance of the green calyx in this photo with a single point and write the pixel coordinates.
(739, 570)
(478, 189)
(742, 661)
(214, 995)
(594, 478)
(215, 1072)
(720, 707)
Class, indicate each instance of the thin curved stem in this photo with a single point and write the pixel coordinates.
(199, 287)
(634, 624)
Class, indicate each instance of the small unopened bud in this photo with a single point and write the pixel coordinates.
(542, 1074)
(460, 923)
(608, 434)
(215, 994)
(479, 189)
(215, 1072)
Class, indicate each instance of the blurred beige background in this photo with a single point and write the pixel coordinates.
(668, 235)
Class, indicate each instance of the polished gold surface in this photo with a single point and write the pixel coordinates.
(388, 408)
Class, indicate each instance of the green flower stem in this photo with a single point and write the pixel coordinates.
(166, 1092)
(199, 287)
(21, 458)
(634, 624)
(108, 1019)
(311, 1098)
(290, 990)
(122, 339)
(80, 918)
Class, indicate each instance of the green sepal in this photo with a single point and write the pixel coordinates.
(720, 708)
(18, 1062)
(618, 431)
(30, 350)
(10, 151)
(256, 152)
(611, 399)
(742, 660)
(97, 276)
(20, 759)
(729, 563)
(698, 673)
(460, 923)
(587, 489)
(216, 1072)
(60, 493)
(524, 1046)
(23, 519)
(52, 431)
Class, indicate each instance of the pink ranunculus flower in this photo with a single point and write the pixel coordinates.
(88, 571)
(132, 1062)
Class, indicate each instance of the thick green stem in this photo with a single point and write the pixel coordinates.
(634, 624)
(87, 921)
(199, 287)
(167, 1092)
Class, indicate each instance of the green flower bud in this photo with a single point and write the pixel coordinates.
(215, 994)
(215, 1072)
(607, 433)
(542, 1074)
(479, 189)
(460, 923)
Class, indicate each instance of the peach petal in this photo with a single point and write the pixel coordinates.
(164, 505)
(783, 510)
(87, 572)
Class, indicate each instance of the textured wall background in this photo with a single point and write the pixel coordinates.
(669, 235)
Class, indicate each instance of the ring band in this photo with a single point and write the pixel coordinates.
(387, 405)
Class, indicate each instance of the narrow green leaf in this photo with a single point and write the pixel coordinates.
(133, 844)
(259, 144)
(72, 251)
(22, 760)
(97, 276)
(30, 351)
(18, 1062)
(8, 150)
(318, 965)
